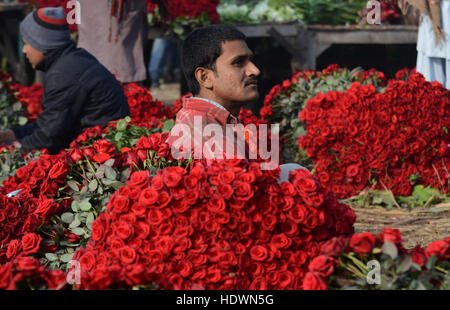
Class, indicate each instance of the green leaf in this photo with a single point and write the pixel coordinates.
(405, 264)
(90, 218)
(66, 258)
(78, 231)
(67, 217)
(445, 129)
(423, 194)
(22, 120)
(85, 205)
(168, 125)
(110, 162)
(93, 185)
(390, 249)
(118, 136)
(73, 185)
(110, 173)
(51, 257)
(431, 262)
(121, 125)
(75, 223)
(75, 206)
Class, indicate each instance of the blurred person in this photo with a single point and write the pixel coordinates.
(78, 91)
(163, 64)
(433, 42)
(115, 31)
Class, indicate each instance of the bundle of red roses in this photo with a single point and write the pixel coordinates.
(225, 226)
(394, 139)
(290, 97)
(344, 262)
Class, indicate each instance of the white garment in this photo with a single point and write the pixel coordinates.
(285, 169)
(434, 61)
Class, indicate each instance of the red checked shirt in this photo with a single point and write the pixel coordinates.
(196, 114)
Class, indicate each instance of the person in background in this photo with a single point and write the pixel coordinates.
(433, 42)
(79, 92)
(163, 64)
(115, 31)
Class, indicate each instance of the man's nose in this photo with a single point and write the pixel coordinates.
(253, 70)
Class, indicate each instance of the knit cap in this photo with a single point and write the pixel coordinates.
(46, 29)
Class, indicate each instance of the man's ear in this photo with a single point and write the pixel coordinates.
(204, 77)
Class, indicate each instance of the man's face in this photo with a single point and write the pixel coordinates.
(234, 82)
(33, 55)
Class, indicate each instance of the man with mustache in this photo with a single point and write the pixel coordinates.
(218, 67)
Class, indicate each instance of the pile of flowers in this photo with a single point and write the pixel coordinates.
(365, 261)
(181, 16)
(391, 140)
(225, 226)
(287, 99)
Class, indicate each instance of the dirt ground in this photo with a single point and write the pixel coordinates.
(167, 93)
(420, 226)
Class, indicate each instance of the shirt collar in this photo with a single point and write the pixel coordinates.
(228, 117)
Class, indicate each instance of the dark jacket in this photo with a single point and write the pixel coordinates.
(78, 93)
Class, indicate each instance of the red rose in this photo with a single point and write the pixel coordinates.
(243, 191)
(314, 281)
(101, 157)
(305, 185)
(216, 204)
(164, 199)
(38, 173)
(418, 256)
(333, 247)
(121, 204)
(227, 177)
(148, 197)
(76, 155)
(98, 231)
(258, 253)
(391, 235)
(59, 170)
(171, 179)
(124, 230)
(31, 243)
(127, 255)
(439, 248)
(323, 264)
(280, 241)
(46, 208)
(14, 248)
(362, 243)
(298, 214)
(87, 261)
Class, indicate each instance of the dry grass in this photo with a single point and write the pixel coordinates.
(419, 226)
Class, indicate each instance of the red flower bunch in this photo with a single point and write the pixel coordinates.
(144, 111)
(225, 226)
(392, 139)
(27, 272)
(36, 182)
(333, 252)
(193, 9)
(31, 99)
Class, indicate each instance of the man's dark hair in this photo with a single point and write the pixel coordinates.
(201, 49)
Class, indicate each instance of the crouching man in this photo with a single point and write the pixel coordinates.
(78, 91)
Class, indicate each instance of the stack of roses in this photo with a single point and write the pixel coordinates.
(342, 262)
(289, 98)
(31, 99)
(225, 226)
(11, 111)
(394, 139)
(144, 111)
(36, 184)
